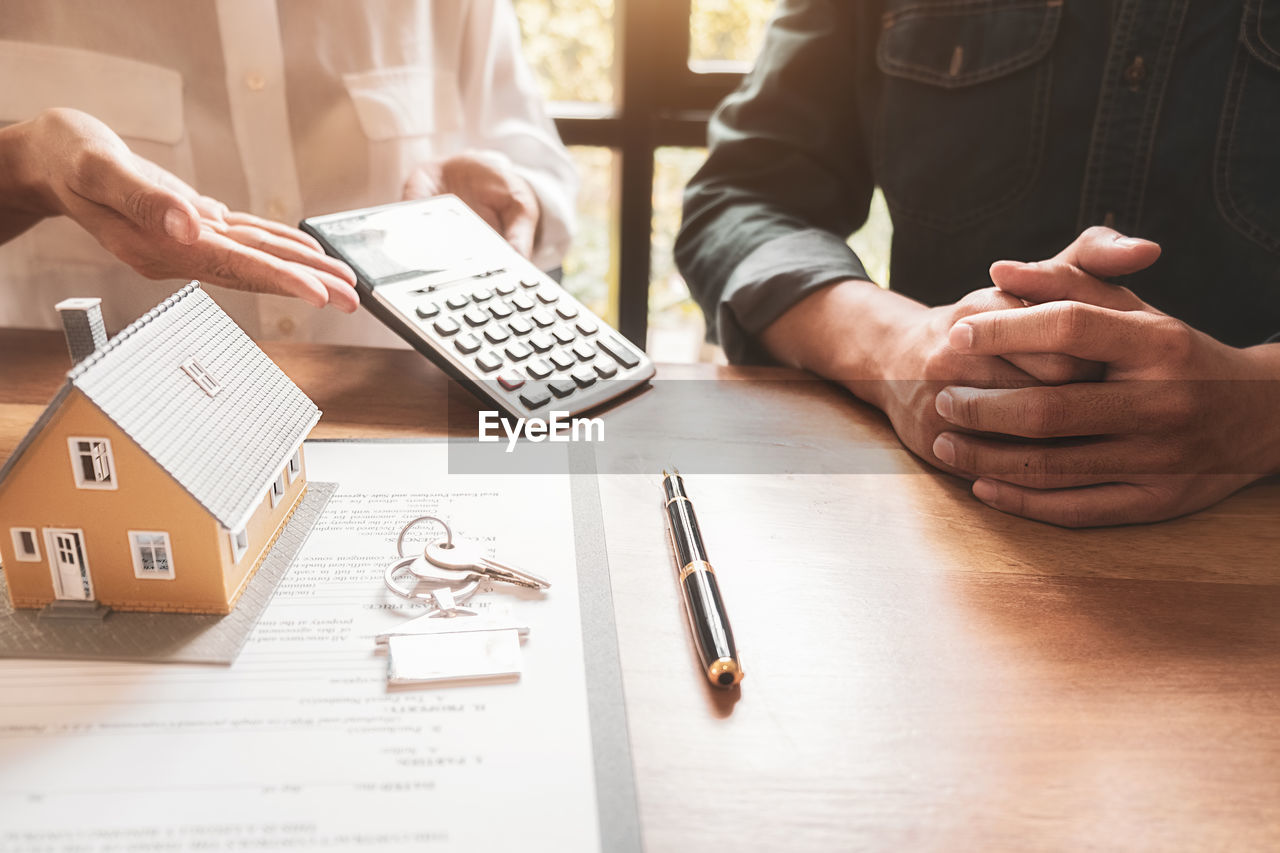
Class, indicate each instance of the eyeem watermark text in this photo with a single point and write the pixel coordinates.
(557, 427)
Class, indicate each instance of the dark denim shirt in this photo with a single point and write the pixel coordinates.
(996, 129)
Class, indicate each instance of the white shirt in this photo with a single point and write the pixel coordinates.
(283, 108)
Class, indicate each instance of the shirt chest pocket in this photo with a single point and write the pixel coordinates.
(963, 111)
(408, 101)
(1246, 177)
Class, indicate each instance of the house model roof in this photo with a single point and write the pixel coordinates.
(225, 448)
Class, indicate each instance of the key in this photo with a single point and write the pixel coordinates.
(466, 557)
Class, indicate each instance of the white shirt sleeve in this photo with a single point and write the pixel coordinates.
(505, 113)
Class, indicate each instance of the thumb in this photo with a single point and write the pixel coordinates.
(1106, 253)
(151, 207)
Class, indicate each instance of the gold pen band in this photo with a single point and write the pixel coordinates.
(693, 565)
(678, 498)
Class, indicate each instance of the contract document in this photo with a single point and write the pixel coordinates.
(300, 744)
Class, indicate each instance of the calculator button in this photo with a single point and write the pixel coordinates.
(467, 343)
(606, 370)
(561, 387)
(564, 336)
(541, 341)
(562, 361)
(542, 318)
(496, 334)
(539, 368)
(456, 302)
(501, 310)
(535, 397)
(583, 352)
(445, 326)
(529, 282)
(567, 311)
(427, 310)
(586, 326)
(521, 302)
(505, 289)
(488, 362)
(475, 317)
(584, 376)
(520, 326)
(518, 351)
(511, 381)
(481, 295)
(619, 352)
(547, 296)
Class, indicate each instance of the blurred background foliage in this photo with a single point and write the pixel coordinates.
(570, 45)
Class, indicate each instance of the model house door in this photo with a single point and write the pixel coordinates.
(70, 568)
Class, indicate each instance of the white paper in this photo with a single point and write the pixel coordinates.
(300, 744)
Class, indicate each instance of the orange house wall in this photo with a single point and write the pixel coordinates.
(41, 492)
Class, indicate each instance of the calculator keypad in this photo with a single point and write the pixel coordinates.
(529, 336)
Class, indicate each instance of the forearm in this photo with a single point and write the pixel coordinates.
(1264, 360)
(22, 203)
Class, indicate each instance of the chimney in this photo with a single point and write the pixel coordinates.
(82, 322)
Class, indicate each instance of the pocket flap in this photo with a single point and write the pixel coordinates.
(957, 44)
(135, 99)
(406, 101)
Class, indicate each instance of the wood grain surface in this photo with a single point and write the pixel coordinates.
(922, 673)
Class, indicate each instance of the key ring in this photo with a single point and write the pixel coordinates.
(448, 534)
(460, 595)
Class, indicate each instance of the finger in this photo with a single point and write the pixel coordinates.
(421, 184)
(238, 217)
(1092, 506)
(291, 250)
(1105, 253)
(106, 179)
(224, 262)
(1054, 369)
(1082, 409)
(1050, 281)
(1071, 328)
(520, 226)
(1046, 465)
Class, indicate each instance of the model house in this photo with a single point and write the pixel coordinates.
(161, 473)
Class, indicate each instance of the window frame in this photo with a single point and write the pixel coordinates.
(237, 550)
(277, 496)
(201, 376)
(19, 551)
(660, 100)
(77, 471)
(135, 551)
(294, 468)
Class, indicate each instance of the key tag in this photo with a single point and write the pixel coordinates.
(436, 647)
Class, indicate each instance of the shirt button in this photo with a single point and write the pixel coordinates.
(286, 325)
(255, 81)
(1136, 73)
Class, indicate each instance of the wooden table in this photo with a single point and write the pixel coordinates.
(922, 672)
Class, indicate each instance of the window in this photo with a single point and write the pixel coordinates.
(26, 546)
(151, 554)
(239, 544)
(295, 465)
(92, 463)
(201, 377)
(277, 489)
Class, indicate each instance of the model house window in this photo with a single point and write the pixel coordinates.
(201, 377)
(152, 556)
(239, 544)
(92, 463)
(295, 465)
(277, 489)
(25, 544)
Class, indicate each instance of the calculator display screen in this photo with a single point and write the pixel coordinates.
(392, 244)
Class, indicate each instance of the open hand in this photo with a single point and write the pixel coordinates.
(73, 165)
(1179, 421)
(488, 183)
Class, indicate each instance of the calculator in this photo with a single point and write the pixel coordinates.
(435, 273)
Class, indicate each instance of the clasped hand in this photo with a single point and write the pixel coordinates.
(1175, 421)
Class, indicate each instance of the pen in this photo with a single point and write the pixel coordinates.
(707, 619)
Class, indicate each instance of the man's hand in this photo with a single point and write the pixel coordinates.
(67, 163)
(486, 182)
(1179, 422)
(894, 353)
